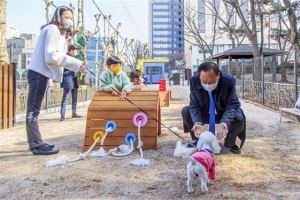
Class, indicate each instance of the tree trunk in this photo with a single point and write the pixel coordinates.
(293, 24)
(3, 45)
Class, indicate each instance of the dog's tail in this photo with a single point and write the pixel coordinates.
(192, 160)
(183, 152)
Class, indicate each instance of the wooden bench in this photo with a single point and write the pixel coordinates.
(104, 107)
(291, 111)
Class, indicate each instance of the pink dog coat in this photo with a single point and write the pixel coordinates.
(208, 161)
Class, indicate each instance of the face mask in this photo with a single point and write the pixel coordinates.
(210, 87)
(116, 70)
(67, 23)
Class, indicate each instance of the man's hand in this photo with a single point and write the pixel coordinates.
(123, 95)
(222, 131)
(198, 129)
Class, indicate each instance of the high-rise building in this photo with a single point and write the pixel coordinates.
(12, 33)
(166, 26)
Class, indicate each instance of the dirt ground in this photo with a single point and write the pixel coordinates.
(268, 167)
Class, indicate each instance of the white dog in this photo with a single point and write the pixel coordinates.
(201, 161)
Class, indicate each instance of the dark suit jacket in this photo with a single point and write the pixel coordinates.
(69, 79)
(226, 101)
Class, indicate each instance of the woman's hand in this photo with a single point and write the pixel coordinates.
(82, 69)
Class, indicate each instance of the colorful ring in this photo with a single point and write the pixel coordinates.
(140, 116)
(98, 134)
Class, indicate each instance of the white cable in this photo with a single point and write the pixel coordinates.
(141, 161)
(124, 149)
(63, 160)
(101, 152)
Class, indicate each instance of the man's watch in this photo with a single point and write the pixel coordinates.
(200, 123)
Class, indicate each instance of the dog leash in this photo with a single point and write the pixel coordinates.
(114, 89)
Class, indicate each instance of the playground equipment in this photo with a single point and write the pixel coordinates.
(104, 107)
(140, 120)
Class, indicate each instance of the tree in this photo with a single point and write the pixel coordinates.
(291, 13)
(251, 30)
(3, 45)
(139, 51)
(194, 34)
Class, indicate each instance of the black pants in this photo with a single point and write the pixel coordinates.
(236, 128)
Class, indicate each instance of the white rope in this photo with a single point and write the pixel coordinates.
(63, 160)
(124, 149)
(141, 161)
(101, 152)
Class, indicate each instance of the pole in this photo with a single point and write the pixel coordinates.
(96, 63)
(243, 79)
(262, 80)
(295, 74)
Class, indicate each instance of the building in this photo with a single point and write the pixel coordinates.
(95, 65)
(206, 21)
(21, 48)
(12, 33)
(166, 26)
(20, 51)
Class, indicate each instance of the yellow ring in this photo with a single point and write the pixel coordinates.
(98, 134)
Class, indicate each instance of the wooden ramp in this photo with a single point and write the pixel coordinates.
(104, 108)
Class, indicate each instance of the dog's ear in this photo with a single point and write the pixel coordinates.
(215, 146)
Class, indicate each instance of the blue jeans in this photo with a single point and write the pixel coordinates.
(65, 100)
(37, 88)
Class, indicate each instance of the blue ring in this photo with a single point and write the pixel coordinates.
(111, 124)
(130, 136)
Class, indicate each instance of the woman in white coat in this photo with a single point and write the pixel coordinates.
(48, 57)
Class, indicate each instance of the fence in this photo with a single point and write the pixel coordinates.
(52, 98)
(7, 91)
(274, 82)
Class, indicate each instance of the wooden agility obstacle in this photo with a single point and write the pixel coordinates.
(104, 108)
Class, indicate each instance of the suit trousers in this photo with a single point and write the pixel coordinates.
(234, 130)
(37, 88)
(65, 98)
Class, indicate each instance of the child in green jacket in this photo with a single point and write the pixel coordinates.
(114, 77)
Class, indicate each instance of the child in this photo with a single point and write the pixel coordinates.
(114, 77)
(137, 81)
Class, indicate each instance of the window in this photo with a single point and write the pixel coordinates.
(201, 16)
(154, 70)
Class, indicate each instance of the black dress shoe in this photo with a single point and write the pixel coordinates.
(49, 145)
(235, 149)
(44, 150)
(192, 144)
(62, 118)
(76, 116)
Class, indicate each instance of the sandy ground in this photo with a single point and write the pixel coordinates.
(268, 167)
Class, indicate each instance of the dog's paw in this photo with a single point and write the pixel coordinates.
(190, 190)
(210, 182)
(204, 188)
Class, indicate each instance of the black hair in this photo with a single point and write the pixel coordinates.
(134, 74)
(207, 66)
(57, 20)
(71, 47)
(113, 60)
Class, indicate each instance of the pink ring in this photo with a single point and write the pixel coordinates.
(140, 116)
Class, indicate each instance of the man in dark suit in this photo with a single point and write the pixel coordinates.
(70, 85)
(228, 114)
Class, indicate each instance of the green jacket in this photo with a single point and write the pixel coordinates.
(120, 81)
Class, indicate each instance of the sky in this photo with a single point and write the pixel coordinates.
(29, 15)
